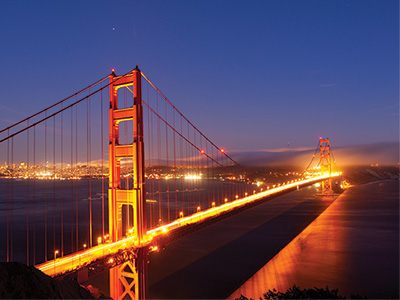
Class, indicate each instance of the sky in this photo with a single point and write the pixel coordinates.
(252, 75)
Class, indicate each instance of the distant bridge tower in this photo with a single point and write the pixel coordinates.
(326, 166)
(127, 280)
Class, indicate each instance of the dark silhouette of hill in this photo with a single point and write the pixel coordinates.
(18, 281)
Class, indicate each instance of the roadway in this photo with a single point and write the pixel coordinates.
(85, 257)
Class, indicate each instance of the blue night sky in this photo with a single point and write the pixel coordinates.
(251, 75)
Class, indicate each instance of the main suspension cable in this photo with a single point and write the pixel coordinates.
(54, 105)
(63, 109)
(219, 149)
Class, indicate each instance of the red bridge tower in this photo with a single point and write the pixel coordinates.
(127, 279)
(326, 166)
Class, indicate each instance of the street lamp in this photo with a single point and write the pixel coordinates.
(55, 257)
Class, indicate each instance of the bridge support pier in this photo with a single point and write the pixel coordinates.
(129, 280)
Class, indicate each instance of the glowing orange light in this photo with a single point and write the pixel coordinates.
(181, 214)
(84, 246)
(237, 196)
(198, 208)
(113, 70)
(202, 151)
(226, 200)
(213, 204)
(222, 150)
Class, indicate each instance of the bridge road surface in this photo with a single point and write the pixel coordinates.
(214, 262)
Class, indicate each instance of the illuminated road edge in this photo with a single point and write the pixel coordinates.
(85, 257)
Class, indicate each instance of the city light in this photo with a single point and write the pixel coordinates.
(192, 176)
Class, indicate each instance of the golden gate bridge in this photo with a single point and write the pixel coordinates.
(81, 197)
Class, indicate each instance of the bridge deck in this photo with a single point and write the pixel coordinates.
(84, 258)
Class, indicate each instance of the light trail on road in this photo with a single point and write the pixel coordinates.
(85, 257)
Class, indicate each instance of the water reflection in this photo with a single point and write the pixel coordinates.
(352, 246)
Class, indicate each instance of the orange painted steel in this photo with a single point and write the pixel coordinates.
(326, 165)
(128, 279)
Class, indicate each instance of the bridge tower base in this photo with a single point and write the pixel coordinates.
(127, 280)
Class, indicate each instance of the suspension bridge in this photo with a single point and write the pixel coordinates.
(101, 178)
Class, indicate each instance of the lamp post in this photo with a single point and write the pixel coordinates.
(55, 257)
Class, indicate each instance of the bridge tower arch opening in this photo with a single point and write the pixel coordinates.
(129, 279)
(326, 165)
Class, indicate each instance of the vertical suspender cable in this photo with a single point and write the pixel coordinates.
(102, 163)
(61, 182)
(12, 203)
(148, 191)
(27, 195)
(34, 196)
(167, 171)
(88, 151)
(9, 169)
(159, 163)
(182, 162)
(152, 138)
(54, 184)
(77, 189)
(71, 174)
(175, 172)
(45, 193)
